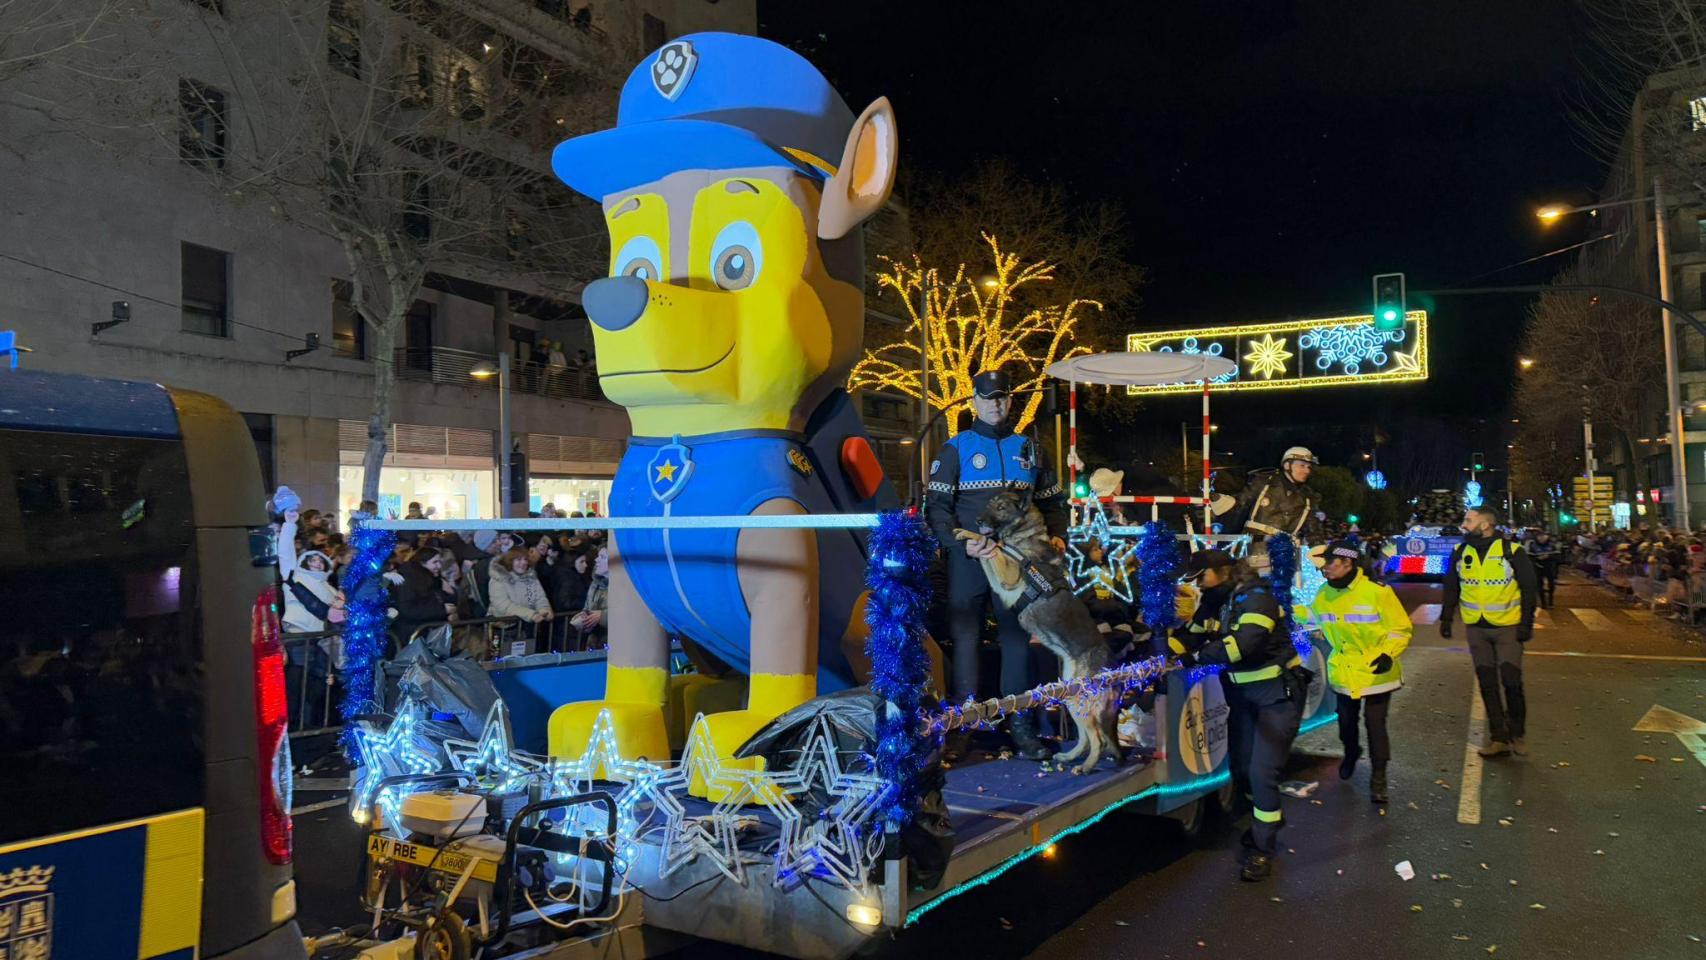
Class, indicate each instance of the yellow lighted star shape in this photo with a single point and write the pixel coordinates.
(1267, 357)
(666, 471)
(1407, 362)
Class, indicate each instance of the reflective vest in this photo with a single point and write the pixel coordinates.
(1361, 622)
(1488, 592)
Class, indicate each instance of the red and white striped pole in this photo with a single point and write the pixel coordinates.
(1072, 435)
(1207, 512)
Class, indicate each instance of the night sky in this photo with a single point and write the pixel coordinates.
(1271, 156)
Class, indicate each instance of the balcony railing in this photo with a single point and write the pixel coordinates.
(447, 365)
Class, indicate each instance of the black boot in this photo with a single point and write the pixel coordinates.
(1257, 867)
(1377, 784)
(1348, 766)
(1023, 728)
(954, 747)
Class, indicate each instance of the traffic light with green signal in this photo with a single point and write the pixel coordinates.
(1389, 307)
(1081, 488)
(1352, 518)
(1565, 519)
(1480, 462)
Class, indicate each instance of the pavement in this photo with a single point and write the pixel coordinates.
(1591, 846)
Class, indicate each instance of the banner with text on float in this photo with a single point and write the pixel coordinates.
(1298, 354)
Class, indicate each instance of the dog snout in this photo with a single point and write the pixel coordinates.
(614, 303)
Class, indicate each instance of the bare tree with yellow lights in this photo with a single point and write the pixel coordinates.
(972, 325)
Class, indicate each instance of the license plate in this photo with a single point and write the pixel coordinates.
(450, 861)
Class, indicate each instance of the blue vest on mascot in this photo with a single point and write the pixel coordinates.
(688, 576)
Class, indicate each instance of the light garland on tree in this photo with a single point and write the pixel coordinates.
(969, 329)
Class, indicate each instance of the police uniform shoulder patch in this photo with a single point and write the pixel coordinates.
(798, 461)
(935, 465)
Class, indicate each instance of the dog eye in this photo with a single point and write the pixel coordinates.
(639, 257)
(736, 256)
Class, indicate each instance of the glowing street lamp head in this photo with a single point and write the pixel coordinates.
(1525, 362)
(1549, 214)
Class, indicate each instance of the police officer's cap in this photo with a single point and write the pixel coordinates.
(1343, 548)
(1206, 560)
(991, 384)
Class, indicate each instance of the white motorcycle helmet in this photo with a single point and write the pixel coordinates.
(1299, 453)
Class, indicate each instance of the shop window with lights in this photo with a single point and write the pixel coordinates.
(1697, 114)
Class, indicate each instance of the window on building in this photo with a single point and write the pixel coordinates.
(201, 138)
(417, 212)
(655, 33)
(417, 336)
(206, 290)
(1697, 113)
(343, 37)
(349, 333)
(521, 341)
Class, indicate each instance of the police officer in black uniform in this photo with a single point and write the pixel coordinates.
(1239, 626)
(973, 467)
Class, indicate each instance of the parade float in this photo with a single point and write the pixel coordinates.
(755, 757)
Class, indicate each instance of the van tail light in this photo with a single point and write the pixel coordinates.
(272, 729)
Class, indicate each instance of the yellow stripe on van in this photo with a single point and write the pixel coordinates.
(171, 884)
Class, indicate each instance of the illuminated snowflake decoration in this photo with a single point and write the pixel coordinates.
(1192, 347)
(1267, 357)
(1349, 347)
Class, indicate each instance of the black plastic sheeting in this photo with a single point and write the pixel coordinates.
(928, 841)
(456, 690)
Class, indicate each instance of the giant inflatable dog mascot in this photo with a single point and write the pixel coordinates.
(733, 186)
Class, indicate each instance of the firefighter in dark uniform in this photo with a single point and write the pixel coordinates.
(973, 467)
(1239, 626)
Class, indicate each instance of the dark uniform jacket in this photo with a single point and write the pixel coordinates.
(1251, 636)
(1272, 500)
(974, 466)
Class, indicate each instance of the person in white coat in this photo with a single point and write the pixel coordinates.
(311, 603)
(516, 590)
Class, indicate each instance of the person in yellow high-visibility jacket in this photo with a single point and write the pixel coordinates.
(1366, 624)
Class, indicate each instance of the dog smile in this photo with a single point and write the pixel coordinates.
(636, 373)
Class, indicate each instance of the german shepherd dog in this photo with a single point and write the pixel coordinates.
(1059, 620)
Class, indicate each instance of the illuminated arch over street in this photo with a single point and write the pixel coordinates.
(1298, 354)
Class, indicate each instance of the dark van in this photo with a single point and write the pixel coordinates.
(144, 762)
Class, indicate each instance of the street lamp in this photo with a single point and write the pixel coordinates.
(483, 370)
(1673, 390)
(1525, 362)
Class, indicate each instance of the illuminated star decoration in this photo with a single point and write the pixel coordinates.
(1267, 357)
(846, 839)
(1349, 346)
(1114, 573)
(494, 757)
(1406, 362)
(600, 760)
(390, 753)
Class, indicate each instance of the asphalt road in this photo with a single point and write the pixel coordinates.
(1581, 849)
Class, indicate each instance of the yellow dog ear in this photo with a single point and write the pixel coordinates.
(862, 183)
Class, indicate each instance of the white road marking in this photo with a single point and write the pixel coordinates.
(1661, 719)
(1469, 796)
(322, 805)
(1591, 618)
(1425, 613)
(1640, 616)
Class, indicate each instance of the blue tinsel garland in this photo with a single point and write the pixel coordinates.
(364, 630)
(901, 548)
(1157, 576)
(1282, 574)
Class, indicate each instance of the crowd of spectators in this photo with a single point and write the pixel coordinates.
(495, 589)
(1658, 566)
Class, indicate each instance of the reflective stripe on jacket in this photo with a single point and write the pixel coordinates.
(1489, 592)
(1362, 621)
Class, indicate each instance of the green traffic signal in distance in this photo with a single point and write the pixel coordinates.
(1389, 305)
(1351, 519)
(1566, 519)
(1081, 489)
